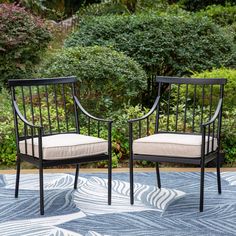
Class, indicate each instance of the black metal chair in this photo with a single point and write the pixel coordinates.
(187, 116)
(48, 117)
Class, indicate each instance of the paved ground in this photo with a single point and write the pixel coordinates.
(115, 170)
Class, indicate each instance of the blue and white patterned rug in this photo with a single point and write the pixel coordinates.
(173, 210)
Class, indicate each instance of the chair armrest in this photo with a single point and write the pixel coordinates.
(26, 122)
(149, 113)
(87, 114)
(216, 114)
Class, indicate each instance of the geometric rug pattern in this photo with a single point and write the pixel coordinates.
(173, 210)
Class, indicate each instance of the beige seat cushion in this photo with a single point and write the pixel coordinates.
(62, 146)
(177, 145)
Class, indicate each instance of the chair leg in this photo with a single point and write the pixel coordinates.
(41, 190)
(218, 172)
(109, 180)
(202, 186)
(18, 162)
(158, 175)
(76, 176)
(131, 176)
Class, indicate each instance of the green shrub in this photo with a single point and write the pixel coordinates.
(229, 136)
(163, 45)
(196, 5)
(230, 87)
(222, 15)
(229, 111)
(100, 9)
(108, 77)
(23, 37)
(119, 7)
(7, 135)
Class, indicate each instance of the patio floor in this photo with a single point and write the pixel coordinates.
(116, 170)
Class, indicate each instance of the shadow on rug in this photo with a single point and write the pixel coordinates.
(173, 210)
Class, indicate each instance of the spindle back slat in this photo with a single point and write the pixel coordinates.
(185, 108)
(64, 106)
(48, 110)
(189, 102)
(202, 106)
(39, 105)
(194, 106)
(168, 108)
(56, 106)
(31, 105)
(177, 109)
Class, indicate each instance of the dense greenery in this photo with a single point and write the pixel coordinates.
(54, 9)
(229, 120)
(107, 76)
(164, 45)
(7, 135)
(221, 15)
(200, 4)
(230, 87)
(23, 38)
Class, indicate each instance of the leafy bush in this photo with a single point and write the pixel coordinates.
(103, 8)
(222, 15)
(23, 37)
(229, 136)
(119, 7)
(107, 76)
(229, 111)
(163, 45)
(200, 4)
(230, 87)
(7, 137)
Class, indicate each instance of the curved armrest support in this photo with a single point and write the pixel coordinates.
(149, 113)
(87, 114)
(18, 113)
(217, 112)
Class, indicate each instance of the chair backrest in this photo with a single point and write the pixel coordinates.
(46, 102)
(187, 102)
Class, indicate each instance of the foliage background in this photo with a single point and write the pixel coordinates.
(23, 37)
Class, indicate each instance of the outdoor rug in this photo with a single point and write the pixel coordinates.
(173, 210)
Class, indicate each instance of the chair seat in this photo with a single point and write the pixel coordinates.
(64, 146)
(169, 144)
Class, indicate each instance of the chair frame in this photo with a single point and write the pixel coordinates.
(205, 157)
(39, 161)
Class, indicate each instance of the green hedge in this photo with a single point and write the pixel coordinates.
(108, 77)
(196, 5)
(23, 37)
(222, 15)
(230, 87)
(163, 45)
(7, 135)
(229, 110)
